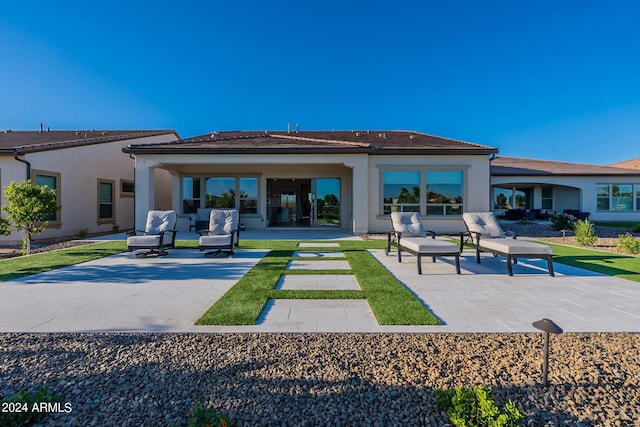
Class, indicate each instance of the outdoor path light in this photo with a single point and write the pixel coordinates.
(548, 327)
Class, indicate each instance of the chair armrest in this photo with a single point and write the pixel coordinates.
(431, 233)
(511, 234)
(134, 232)
(202, 232)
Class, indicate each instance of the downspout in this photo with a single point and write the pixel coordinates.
(134, 190)
(491, 157)
(15, 156)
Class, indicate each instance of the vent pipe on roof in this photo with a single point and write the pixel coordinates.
(297, 128)
(41, 127)
(288, 127)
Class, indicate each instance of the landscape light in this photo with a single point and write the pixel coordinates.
(548, 327)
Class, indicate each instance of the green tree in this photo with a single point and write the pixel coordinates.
(28, 207)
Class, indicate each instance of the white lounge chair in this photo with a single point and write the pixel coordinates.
(223, 233)
(409, 235)
(158, 235)
(487, 236)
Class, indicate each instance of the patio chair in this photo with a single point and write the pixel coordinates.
(223, 233)
(409, 235)
(487, 236)
(158, 235)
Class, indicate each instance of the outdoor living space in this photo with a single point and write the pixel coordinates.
(324, 285)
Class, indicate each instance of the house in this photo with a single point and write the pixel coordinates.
(628, 164)
(92, 176)
(607, 193)
(349, 180)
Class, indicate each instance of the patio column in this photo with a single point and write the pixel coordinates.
(144, 191)
(360, 194)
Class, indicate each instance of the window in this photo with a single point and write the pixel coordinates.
(190, 195)
(618, 197)
(401, 191)
(444, 192)
(229, 192)
(547, 198)
(502, 198)
(220, 193)
(248, 195)
(51, 180)
(106, 204)
(127, 188)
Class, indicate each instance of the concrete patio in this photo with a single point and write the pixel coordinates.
(122, 293)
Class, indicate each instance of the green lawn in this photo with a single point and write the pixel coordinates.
(14, 268)
(622, 266)
(390, 301)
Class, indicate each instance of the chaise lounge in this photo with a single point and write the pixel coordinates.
(409, 235)
(487, 236)
(158, 234)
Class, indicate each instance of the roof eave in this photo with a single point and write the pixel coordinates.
(309, 150)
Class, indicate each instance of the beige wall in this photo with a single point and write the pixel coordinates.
(79, 169)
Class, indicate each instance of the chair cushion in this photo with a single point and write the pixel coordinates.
(408, 223)
(513, 246)
(148, 241)
(218, 240)
(223, 221)
(159, 221)
(425, 245)
(484, 223)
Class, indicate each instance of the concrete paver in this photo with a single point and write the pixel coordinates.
(316, 254)
(322, 282)
(318, 265)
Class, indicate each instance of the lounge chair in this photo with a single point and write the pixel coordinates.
(409, 235)
(223, 233)
(158, 235)
(487, 236)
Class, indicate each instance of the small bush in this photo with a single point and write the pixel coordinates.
(636, 228)
(563, 222)
(115, 228)
(82, 233)
(467, 406)
(585, 233)
(206, 416)
(19, 408)
(627, 243)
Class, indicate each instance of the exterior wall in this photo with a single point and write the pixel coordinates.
(576, 193)
(79, 169)
(476, 186)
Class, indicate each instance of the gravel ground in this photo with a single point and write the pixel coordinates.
(322, 379)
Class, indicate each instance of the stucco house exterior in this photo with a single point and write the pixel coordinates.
(93, 178)
(349, 180)
(607, 193)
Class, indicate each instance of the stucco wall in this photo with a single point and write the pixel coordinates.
(79, 169)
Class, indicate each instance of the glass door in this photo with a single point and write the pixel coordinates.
(325, 201)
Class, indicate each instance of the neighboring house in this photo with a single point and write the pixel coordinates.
(344, 179)
(606, 193)
(92, 176)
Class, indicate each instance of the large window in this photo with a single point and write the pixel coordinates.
(220, 192)
(618, 197)
(51, 180)
(547, 198)
(401, 191)
(106, 201)
(443, 193)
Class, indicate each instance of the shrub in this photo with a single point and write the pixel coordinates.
(563, 222)
(19, 408)
(585, 233)
(82, 233)
(636, 228)
(627, 243)
(467, 406)
(206, 416)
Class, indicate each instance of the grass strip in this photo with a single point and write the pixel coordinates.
(14, 268)
(391, 302)
(610, 264)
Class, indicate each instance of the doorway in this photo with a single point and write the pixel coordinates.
(306, 202)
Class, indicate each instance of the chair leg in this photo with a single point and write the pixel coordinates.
(457, 264)
(550, 266)
(478, 254)
(399, 255)
(419, 264)
(509, 269)
(433, 259)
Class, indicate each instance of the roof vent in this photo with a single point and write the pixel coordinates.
(7, 130)
(411, 136)
(213, 135)
(77, 133)
(357, 133)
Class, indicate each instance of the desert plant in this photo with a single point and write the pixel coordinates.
(29, 205)
(585, 233)
(82, 233)
(115, 228)
(563, 221)
(207, 416)
(627, 243)
(474, 406)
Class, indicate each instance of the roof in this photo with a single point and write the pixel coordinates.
(303, 142)
(513, 166)
(628, 164)
(24, 142)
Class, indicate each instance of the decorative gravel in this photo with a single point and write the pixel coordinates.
(322, 379)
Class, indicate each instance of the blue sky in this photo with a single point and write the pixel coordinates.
(542, 79)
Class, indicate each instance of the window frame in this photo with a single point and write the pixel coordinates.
(112, 219)
(635, 197)
(57, 222)
(127, 194)
(200, 202)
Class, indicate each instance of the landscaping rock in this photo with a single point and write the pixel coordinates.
(321, 379)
